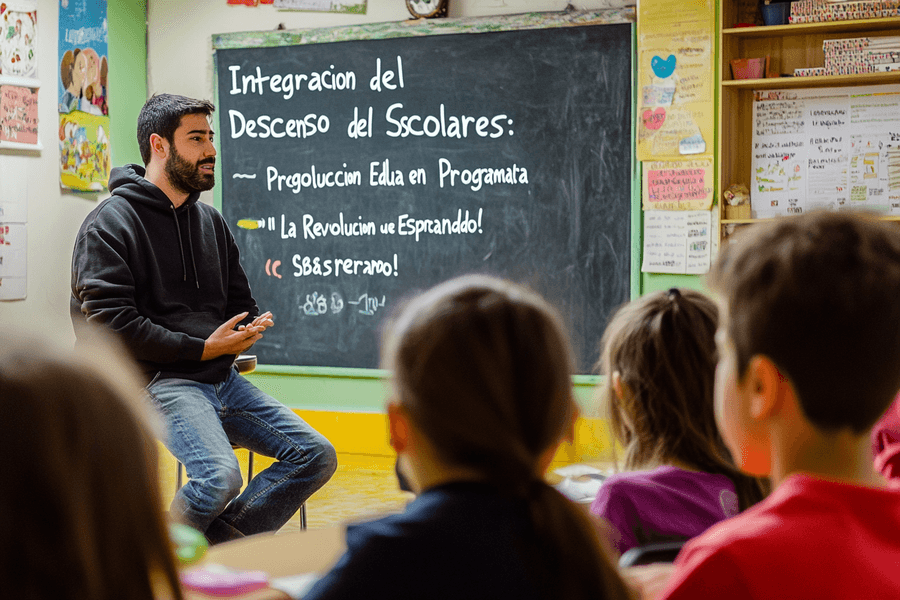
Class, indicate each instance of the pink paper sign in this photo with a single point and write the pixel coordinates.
(676, 185)
(18, 114)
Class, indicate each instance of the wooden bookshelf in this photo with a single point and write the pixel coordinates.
(790, 47)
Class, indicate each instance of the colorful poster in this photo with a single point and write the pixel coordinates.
(18, 29)
(84, 112)
(678, 185)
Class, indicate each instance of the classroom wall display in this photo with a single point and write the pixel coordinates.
(832, 148)
(675, 73)
(13, 268)
(18, 114)
(677, 184)
(335, 6)
(13, 228)
(18, 35)
(357, 172)
(678, 242)
(83, 106)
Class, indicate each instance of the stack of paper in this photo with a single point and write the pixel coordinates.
(853, 56)
(820, 11)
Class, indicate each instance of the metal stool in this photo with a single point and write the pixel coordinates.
(245, 363)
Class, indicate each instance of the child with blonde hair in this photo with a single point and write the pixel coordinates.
(659, 358)
(482, 397)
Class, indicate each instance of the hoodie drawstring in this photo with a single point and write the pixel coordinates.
(191, 248)
(181, 245)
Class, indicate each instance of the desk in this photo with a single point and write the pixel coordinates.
(316, 551)
(282, 554)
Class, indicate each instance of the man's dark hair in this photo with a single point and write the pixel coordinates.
(818, 295)
(162, 114)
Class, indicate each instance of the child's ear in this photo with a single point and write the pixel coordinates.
(398, 427)
(619, 387)
(764, 384)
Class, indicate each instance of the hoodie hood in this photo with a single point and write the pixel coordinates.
(129, 182)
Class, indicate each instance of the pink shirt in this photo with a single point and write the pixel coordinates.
(664, 504)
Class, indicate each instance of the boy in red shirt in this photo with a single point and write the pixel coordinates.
(809, 345)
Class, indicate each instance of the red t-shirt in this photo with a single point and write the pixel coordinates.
(811, 539)
(886, 442)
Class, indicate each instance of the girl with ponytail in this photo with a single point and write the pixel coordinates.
(482, 397)
(659, 358)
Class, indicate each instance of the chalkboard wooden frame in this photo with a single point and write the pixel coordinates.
(271, 39)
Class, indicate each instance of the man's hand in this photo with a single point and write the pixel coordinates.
(262, 322)
(227, 340)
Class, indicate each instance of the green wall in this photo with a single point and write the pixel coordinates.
(127, 76)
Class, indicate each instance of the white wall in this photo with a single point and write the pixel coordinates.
(53, 216)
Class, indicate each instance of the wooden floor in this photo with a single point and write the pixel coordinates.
(362, 488)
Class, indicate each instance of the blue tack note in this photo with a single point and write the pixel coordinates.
(663, 67)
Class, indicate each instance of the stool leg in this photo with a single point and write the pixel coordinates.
(303, 516)
(178, 479)
(249, 466)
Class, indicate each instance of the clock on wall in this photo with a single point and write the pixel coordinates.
(427, 9)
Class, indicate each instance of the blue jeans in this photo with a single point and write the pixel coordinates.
(203, 420)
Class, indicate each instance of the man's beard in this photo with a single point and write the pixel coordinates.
(186, 177)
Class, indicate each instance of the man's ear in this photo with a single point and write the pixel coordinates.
(398, 427)
(764, 384)
(159, 146)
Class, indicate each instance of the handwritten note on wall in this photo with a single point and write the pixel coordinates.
(13, 268)
(678, 185)
(832, 148)
(18, 114)
(677, 241)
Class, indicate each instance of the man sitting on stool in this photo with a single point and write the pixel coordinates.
(162, 271)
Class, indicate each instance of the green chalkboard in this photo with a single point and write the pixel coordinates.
(357, 172)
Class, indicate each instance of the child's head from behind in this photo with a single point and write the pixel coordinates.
(812, 301)
(85, 520)
(659, 358)
(483, 369)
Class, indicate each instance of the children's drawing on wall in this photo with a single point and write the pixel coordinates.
(675, 92)
(335, 6)
(18, 27)
(18, 114)
(83, 104)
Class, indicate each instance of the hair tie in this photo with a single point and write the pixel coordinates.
(674, 293)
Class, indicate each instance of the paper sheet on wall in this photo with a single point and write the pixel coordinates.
(675, 71)
(677, 185)
(13, 189)
(13, 268)
(677, 241)
(832, 148)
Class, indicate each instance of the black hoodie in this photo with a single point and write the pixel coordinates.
(161, 278)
